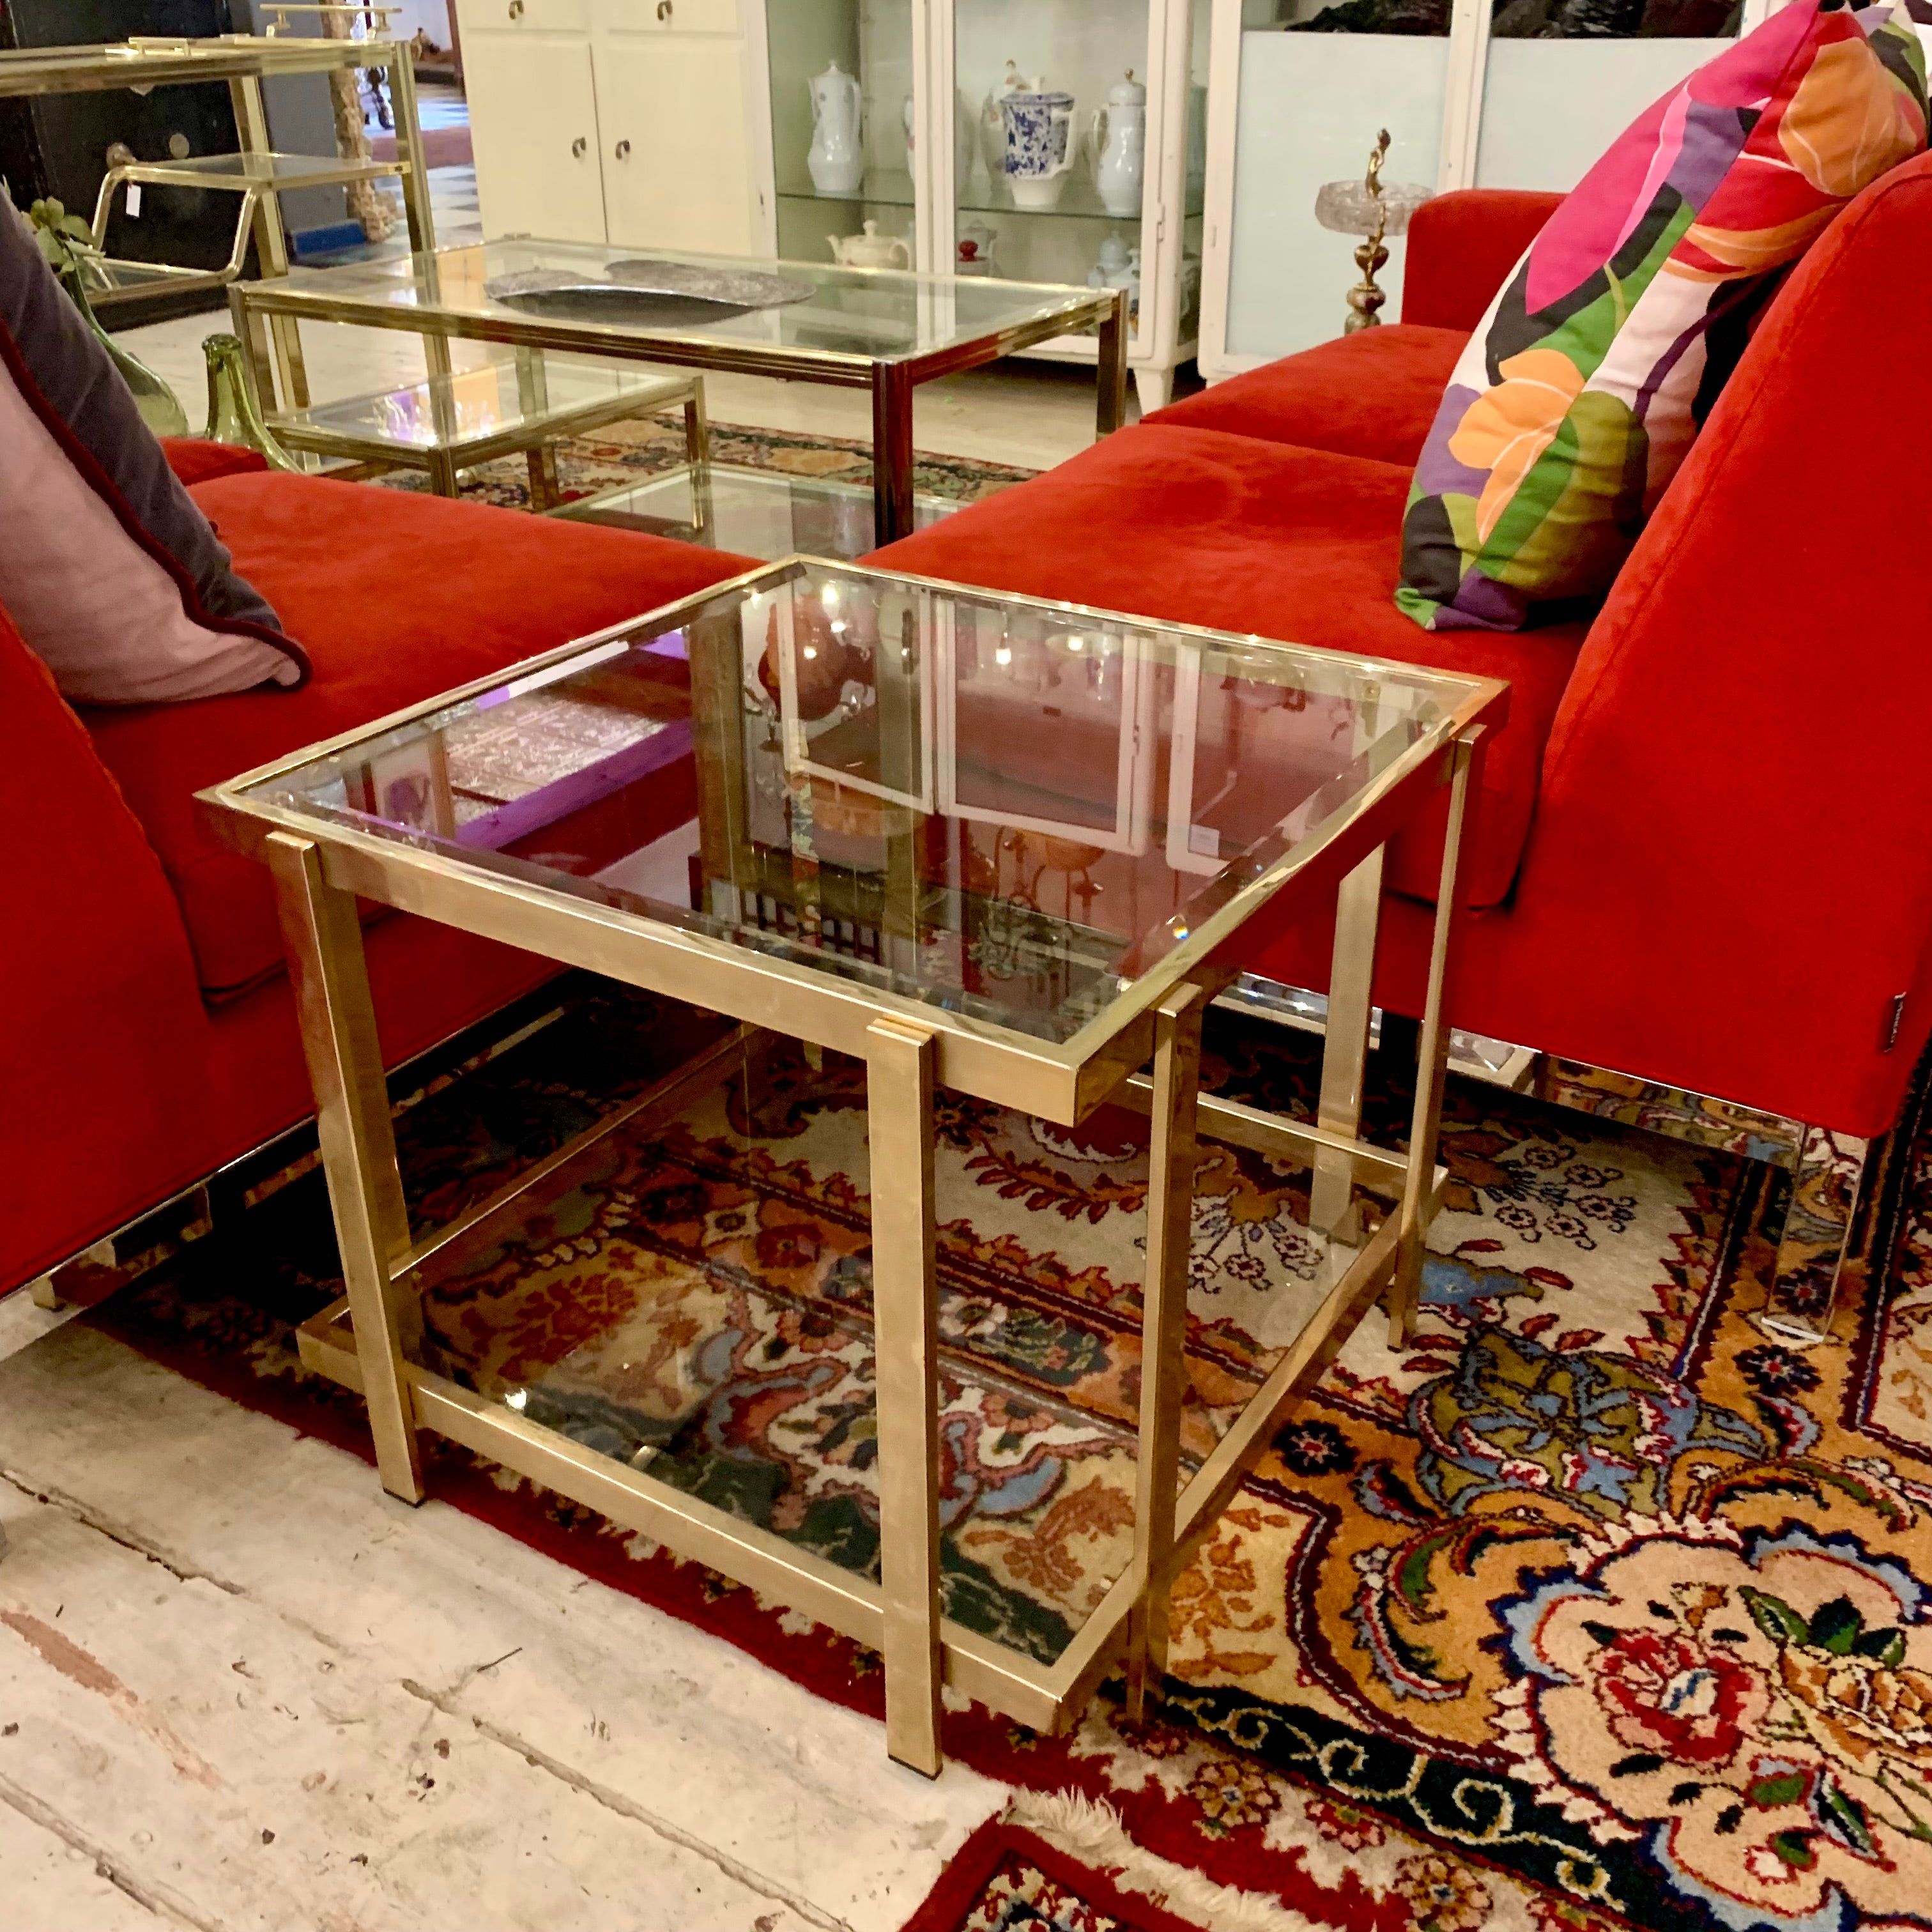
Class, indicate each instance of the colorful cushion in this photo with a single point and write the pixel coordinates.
(107, 569)
(1581, 391)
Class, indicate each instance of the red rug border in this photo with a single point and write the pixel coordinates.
(965, 1879)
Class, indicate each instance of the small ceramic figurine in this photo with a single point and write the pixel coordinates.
(871, 250)
(1121, 166)
(1040, 145)
(837, 159)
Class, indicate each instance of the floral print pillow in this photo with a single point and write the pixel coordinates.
(1578, 395)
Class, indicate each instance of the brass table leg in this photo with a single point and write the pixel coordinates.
(324, 939)
(698, 456)
(1111, 405)
(905, 1318)
(891, 453)
(1345, 1051)
(1170, 1163)
(1431, 1068)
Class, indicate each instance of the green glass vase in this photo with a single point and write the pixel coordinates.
(160, 408)
(233, 417)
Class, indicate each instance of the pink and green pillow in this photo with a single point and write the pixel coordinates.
(1578, 395)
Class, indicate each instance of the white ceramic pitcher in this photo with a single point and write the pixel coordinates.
(1121, 166)
(837, 159)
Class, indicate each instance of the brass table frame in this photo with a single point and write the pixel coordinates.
(321, 867)
(244, 60)
(890, 381)
(454, 452)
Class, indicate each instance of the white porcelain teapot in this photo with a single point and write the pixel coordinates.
(837, 158)
(871, 250)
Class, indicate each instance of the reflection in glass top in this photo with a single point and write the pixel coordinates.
(1008, 810)
(879, 315)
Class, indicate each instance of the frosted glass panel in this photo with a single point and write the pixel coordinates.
(1551, 107)
(1311, 105)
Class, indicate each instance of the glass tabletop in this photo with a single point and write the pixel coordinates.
(603, 293)
(470, 405)
(1030, 815)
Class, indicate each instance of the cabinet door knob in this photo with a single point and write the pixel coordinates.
(623, 150)
(516, 10)
(580, 147)
(664, 10)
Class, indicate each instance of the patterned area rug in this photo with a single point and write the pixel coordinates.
(628, 452)
(1593, 1608)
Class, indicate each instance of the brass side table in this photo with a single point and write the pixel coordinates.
(863, 748)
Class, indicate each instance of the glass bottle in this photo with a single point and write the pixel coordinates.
(233, 417)
(160, 408)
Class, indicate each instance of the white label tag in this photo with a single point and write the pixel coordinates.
(134, 201)
(1204, 841)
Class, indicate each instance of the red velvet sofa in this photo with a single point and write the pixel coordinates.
(1701, 854)
(1699, 857)
(150, 1031)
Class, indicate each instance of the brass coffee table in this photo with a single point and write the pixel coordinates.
(982, 843)
(877, 329)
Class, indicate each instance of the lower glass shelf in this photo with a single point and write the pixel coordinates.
(761, 513)
(691, 1297)
(472, 413)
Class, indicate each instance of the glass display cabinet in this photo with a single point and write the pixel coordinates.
(1523, 93)
(1043, 142)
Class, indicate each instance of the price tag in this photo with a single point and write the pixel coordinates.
(134, 201)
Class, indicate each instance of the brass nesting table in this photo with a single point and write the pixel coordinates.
(868, 753)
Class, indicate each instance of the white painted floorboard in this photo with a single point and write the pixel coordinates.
(211, 1629)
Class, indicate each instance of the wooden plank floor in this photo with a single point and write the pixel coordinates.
(242, 1688)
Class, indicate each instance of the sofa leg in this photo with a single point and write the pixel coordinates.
(1825, 1188)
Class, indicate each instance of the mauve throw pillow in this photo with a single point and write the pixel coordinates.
(1578, 397)
(114, 577)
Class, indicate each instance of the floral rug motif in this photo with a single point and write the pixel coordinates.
(629, 452)
(1593, 1608)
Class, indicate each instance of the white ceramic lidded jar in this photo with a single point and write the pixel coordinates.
(1121, 168)
(837, 159)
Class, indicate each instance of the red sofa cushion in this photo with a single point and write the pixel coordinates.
(1373, 393)
(1242, 534)
(397, 596)
(1461, 246)
(196, 460)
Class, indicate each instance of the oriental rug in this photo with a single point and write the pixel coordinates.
(629, 452)
(1593, 1608)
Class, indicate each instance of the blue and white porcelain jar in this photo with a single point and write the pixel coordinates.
(1039, 144)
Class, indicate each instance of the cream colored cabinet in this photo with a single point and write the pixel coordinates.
(624, 121)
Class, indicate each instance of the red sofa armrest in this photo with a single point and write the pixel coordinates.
(194, 460)
(1461, 245)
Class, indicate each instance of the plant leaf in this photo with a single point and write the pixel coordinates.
(1773, 1616)
(1886, 1645)
(1836, 1626)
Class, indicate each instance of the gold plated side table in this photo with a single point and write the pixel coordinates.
(793, 801)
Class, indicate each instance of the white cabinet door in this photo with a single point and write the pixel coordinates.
(676, 162)
(533, 123)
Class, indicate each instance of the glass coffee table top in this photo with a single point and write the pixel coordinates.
(1017, 815)
(764, 513)
(467, 406)
(800, 310)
